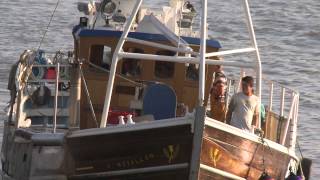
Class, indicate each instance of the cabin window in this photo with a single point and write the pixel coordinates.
(192, 72)
(132, 67)
(164, 69)
(101, 55)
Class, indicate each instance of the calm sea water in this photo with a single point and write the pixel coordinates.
(288, 34)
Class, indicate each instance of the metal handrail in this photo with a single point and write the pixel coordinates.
(221, 173)
(115, 60)
(55, 109)
(201, 59)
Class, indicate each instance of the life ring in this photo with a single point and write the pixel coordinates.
(39, 59)
(37, 73)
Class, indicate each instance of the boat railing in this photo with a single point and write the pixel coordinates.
(281, 113)
(287, 127)
(279, 104)
(49, 72)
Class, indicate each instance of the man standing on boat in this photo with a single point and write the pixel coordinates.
(243, 107)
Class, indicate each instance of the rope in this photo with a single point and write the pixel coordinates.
(298, 145)
(254, 153)
(103, 3)
(300, 165)
(29, 66)
(48, 26)
(262, 142)
(221, 142)
(118, 75)
(88, 97)
(263, 160)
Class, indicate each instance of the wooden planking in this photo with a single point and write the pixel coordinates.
(164, 175)
(240, 156)
(127, 150)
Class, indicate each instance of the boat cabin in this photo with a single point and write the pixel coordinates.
(95, 49)
(67, 113)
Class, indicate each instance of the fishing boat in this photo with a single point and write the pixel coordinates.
(130, 102)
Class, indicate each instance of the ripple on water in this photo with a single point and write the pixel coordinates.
(287, 32)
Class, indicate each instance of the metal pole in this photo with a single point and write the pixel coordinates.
(200, 113)
(228, 92)
(281, 119)
(197, 142)
(268, 131)
(162, 46)
(56, 98)
(293, 124)
(242, 74)
(75, 96)
(270, 97)
(203, 45)
(255, 45)
(183, 59)
(292, 110)
(283, 92)
(294, 133)
(115, 59)
(227, 52)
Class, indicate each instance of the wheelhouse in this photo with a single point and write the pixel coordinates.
(95, 49)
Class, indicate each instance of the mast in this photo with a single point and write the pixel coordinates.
(114, 63)
(203, 49)
(258, 67)
(201, 59)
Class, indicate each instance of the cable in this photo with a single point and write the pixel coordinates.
(118, 75)
(300, 165)
(88, 96)
(29, 69)
(298, 145)
(102, 5)
(48, 26)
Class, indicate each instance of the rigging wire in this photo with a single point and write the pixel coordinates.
(300, 165)
(103, 3)
(299, 149)
(48, 26)
(29, 66)
(88, 96)
(118, 75)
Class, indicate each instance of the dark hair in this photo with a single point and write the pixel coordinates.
(220, 74)
(248, 79)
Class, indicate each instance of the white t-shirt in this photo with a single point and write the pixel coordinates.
(243, 108)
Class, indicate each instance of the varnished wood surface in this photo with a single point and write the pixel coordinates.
(241, 156)
(130, 150)
(166, 175)
(185, 89)
(166, 146)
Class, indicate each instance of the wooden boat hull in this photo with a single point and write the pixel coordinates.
(162, 150)
(240, 156)
(165, 153)
(157, 152)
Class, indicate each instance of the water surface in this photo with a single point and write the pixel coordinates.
(288, 34)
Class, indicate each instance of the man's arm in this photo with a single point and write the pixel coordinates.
(230, 110)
